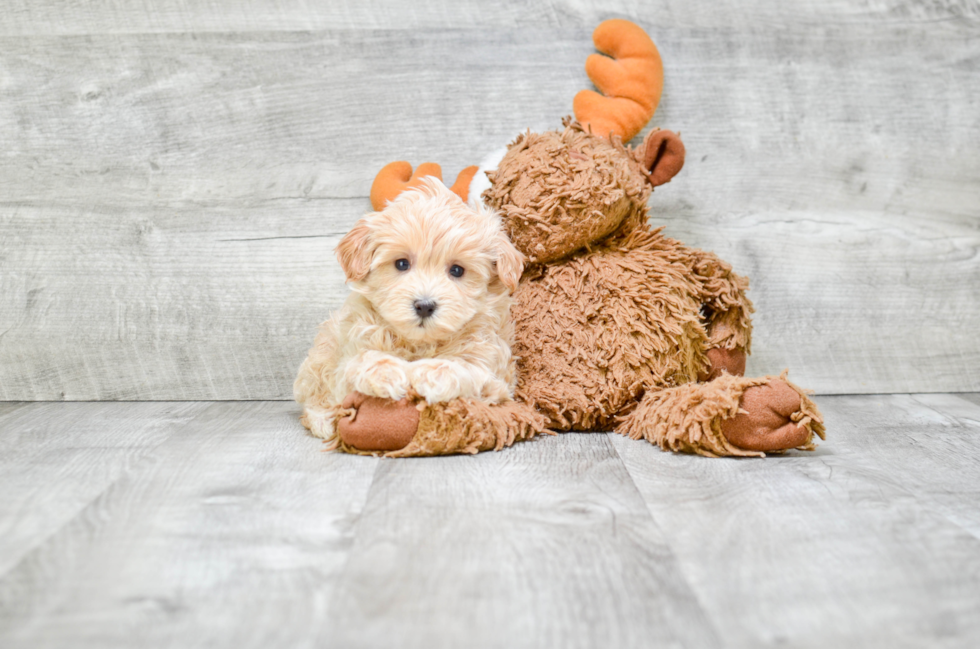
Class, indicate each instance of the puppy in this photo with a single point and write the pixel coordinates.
(428, 314)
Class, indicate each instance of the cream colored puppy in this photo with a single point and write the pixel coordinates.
(428, 313)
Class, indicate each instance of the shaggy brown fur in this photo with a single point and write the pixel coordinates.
(603, 327)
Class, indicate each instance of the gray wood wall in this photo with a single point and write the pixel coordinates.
(173, 181)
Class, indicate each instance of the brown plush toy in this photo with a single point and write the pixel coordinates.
(617, 327)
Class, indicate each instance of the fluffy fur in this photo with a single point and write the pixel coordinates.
(379, 345)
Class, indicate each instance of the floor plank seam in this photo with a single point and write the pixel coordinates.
(343, 573)
(678, 566)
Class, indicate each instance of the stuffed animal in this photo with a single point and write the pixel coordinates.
(617, 327)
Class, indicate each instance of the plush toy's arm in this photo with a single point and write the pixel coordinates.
(405, 429)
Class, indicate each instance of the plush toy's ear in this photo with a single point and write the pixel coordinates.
(510, 263)
(661, 155)
(354, 252)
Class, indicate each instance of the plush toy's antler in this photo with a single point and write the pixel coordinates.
(396, 177)
(631, 81)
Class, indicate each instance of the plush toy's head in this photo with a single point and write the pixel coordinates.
(562, 190)
(559, 191)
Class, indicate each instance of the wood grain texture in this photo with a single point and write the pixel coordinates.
(971, 397)
(232, 532)
(870, 541)
(7, 407)
(223, 525)
(546, 545)
(55, 459)
(43, 17)
(944, 434)
(831, 157)
(196, 303)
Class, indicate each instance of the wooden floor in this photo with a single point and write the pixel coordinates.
(223, 525)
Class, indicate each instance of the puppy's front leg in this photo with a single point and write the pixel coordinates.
(440, 380)
(377, 374)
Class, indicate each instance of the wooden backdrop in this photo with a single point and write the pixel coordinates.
(173, 181)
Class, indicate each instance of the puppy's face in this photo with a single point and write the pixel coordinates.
(428, 262)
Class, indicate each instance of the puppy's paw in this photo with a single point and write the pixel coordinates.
(438, 380)
(380, 375)
(496, 391)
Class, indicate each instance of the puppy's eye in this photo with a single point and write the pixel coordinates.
(456, 271)
(402, 264)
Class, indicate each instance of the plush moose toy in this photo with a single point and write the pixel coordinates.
(617, 327)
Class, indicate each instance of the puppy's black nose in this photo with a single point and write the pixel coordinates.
(424, 308)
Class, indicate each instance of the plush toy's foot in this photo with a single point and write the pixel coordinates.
(377, 424)
(730, 415)
(721, 360)
(767, 421)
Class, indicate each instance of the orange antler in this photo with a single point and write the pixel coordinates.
(396, 177)
(462, 185)
(631, 81)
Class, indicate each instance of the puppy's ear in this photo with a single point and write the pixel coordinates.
(510, 263)
(354, 253)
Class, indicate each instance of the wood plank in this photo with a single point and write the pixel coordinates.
(869, 541)
(128, 155)
(7, 407)
(941, 433)
(222, 303)
(786, 125)
(233, 532)
(545, 545)
(182, 302)
(189, 117)
(857, 302)
(43, 17)
(55, 459)
(972, 397)
(127, 16)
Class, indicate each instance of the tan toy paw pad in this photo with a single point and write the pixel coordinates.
(767, 421)
(378, 424)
